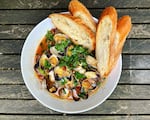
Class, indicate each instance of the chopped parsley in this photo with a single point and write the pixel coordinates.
(63, 81)
(61, 46)
(47, 65)
(79, 75)
(49, 36)
(75, 82)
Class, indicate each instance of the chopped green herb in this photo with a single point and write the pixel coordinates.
(49, 36)
(83, 94)
(63, 81)
(75, 82)
(47, 65)
(78, 49)
(49, 46)
(61, 46)
(42, 72)
(79, 75)
(64, 91)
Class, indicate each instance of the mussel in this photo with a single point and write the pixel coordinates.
(64, 93)
(75, 95)
(62, 71)
(51, 87)
(59, 37)
(89, 84)
(91, 61)
(53, 60)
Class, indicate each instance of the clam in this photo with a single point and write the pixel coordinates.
(68, 50)
(55, 52)
(51, 76)
(89, 84)
(64, 93)
(51, 86)
(91, 61)
(91, 74)
(62, 71)
(53, 89)
(75, 95)
(80, 69)
(59, 37)
(53, 60)
(42, 60)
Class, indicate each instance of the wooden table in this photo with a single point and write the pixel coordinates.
(131, 98)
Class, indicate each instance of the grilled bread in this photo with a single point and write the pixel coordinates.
(77, 9)
(124, 26)
(74, 28)
(106, 30)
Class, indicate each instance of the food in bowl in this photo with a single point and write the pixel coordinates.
(69, 70)
(73, 59)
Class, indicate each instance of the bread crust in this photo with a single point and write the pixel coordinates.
(111, 14)
(77, 9)
(124, 26)
(77, 22)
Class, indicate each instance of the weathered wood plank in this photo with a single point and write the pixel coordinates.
(127, 77)
(9, 46)
(136, 61)
(121, 92)
(44, 4)
(131, 92)
(35, 16)
(135, 77)
(108, 107)
(14, 92)
(72, 117)
(137, 46)
(15, 31)
(9, 62)
(129, 61)
(11, 77)
(21, 31)
(132, 46)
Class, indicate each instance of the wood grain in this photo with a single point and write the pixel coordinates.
(59, 4)
(136, 61)
(132, 46)
(21, 31)
(35, 16)
(73, 117)
(14, 77)
(129, 62)
(109, 107)
(121, 92)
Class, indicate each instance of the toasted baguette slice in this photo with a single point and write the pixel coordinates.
(124, 26)
(72, 27)
(105, 34)
(77, 9)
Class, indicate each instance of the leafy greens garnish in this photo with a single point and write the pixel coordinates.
(49, 36)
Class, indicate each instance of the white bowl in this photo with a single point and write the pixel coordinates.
(42, 95)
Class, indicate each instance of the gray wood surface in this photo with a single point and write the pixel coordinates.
(121, 92)
(132, 46)
(59, 4)
(110, 107)
(131, 98)
(128, 77)
(129, 62)
(69, 117)
(21, 31)
(35, 16)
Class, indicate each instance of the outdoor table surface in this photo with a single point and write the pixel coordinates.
(131, 98)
